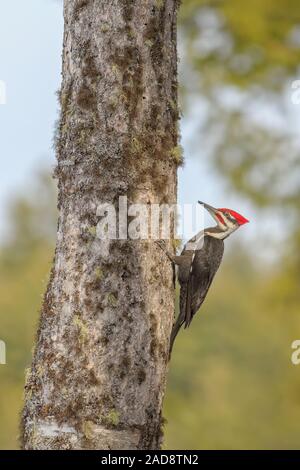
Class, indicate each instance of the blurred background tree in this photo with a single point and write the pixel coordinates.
(232, 384)
(241, 60)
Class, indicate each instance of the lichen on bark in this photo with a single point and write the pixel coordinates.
(99, 368)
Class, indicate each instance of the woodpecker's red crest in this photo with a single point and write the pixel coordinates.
(234, 215)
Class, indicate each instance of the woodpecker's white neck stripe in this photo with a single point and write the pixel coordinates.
(222, 234)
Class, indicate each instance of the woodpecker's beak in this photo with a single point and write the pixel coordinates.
(211, 210)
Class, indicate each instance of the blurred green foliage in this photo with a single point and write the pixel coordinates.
(25, 260)
(241, 58)
(232, 384)
(243, 43)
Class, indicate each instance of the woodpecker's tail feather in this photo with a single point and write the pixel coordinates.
(184, 313)
(188, 315)
(176, 327)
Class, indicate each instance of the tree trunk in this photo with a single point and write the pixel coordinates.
(98, 374)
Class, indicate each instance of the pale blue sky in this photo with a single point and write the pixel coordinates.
(30, 64)
(30, 56)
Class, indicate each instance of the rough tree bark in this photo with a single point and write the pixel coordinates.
(99, 368)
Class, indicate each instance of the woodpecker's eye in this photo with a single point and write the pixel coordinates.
(230, 217)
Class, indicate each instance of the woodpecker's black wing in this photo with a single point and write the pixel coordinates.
(196, 289)
(196, 272)
(203, 269)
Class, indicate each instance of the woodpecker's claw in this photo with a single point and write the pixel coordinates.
(161, 244)
(163, 247)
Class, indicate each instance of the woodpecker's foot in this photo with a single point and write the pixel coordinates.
(161, 244)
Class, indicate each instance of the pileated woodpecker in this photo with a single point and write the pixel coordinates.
(199, 262)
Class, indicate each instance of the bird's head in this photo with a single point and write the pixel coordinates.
(227, 220)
